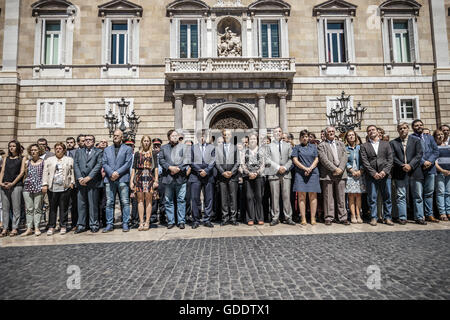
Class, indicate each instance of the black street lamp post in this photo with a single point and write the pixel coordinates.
(344, 117)
(133, 120)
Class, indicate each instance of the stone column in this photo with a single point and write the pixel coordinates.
(261, 111)
(439, 28)
(199, 112)
(283, 112)
(178, 111)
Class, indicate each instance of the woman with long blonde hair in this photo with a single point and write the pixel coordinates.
(144, 179)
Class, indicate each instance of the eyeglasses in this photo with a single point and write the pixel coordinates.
(88, 139)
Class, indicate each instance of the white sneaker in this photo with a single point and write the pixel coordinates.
(50, 232)
(63, 230)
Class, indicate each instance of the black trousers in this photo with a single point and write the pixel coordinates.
(58, 200)
(254, 191)
(196, 188)
(159, 205)
(188, 201)
(228, 197)
(73, 206)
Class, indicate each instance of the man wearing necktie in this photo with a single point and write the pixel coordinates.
(202, 177)
(407, 153)
(425, 190)
(332, 164)
(279, 173)
(227, 164)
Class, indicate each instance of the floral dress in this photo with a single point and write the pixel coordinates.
(143, 165)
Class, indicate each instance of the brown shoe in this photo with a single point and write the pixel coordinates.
(353, 219)
(28, 232)
(260, 223)
(250, 223)
(432, 219)
(373, 222)
(389, 222)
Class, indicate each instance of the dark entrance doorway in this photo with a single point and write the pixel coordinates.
(231, 119)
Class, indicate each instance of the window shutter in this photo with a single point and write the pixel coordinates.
(43, 42)
(347, 41)
(325, 32)
(397, 110)
(258, 30)
(390, 24)
(415, 109)
(108, 40)
(412, 44)
(130, 26)
(62, 57)
(264, 41)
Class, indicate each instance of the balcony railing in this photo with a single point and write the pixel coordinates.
(235, 67)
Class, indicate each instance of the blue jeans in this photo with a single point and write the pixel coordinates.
(373, 187)
(402, 191)
(124, 195)
(428, 190)
(180, 191)
(443, 193)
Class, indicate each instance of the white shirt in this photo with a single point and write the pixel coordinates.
(375, 145)
(447, 143)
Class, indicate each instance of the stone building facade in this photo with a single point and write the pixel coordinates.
(194, 64)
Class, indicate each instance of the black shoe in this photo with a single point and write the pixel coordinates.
(234, 223)
(94, 230)
(223, 223)
(328, 222)
(274, 223)
(345, 222)
(195, 225)
(422, 222)
(208, 224)
(290, 222)
(79, 230)
(181, 225)
(402, 222)
(170, 226)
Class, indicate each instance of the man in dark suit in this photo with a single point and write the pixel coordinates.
(376, 157)
(117, 160)
(202, 177)
(425, 190)
(227, 165)
(87, 168)
(407, 154)
(174, 158)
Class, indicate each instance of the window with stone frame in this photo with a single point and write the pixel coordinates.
(50, 113)
(120, 37)
(189, 39)
(400, 36)
(270, 39)
(53, 41)
(335, 37)
(405, 108)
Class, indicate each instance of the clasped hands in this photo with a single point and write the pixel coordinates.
(227, 174)
(174, 170)
(379, 175)
(427, 164)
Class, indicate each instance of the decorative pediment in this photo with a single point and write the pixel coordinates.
(270, 6)
(334, 7)
(52, 7)
(187, 7)
(410, 7)
(120, 7)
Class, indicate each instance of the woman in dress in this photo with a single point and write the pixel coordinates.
(143, 181)
(11, 184)
(443, 176)
(306, 159)
(355, 180)
(252, 169)
(32, 190)
(58, 180)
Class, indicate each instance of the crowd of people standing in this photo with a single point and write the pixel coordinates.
(339, 178)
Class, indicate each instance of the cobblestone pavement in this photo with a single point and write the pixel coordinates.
(413, 265)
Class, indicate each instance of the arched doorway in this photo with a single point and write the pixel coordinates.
(231, 119)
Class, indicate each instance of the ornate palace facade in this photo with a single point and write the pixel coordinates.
(193, 64)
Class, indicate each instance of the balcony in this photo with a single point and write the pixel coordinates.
(230, 68)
